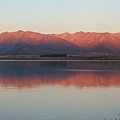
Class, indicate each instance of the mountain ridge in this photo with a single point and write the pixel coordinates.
(37, 43)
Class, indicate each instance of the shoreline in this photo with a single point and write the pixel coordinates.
(53, 60)
(81, 57)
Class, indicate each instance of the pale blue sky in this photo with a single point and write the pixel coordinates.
(57, 16)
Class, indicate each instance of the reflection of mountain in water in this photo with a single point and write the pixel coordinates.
(79, 74)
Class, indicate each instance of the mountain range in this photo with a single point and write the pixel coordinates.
(32, 43)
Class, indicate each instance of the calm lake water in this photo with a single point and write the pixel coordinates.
(60, 90)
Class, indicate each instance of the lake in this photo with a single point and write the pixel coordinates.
(60, 90)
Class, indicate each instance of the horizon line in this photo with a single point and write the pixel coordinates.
(60, 32)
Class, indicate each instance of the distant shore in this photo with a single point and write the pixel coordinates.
(56, 57)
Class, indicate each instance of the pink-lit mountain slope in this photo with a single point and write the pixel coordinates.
(93, 41)
(31, 43)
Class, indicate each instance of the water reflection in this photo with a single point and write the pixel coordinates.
(79, 74)
(37, 93)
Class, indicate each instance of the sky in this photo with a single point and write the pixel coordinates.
(58, 16)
